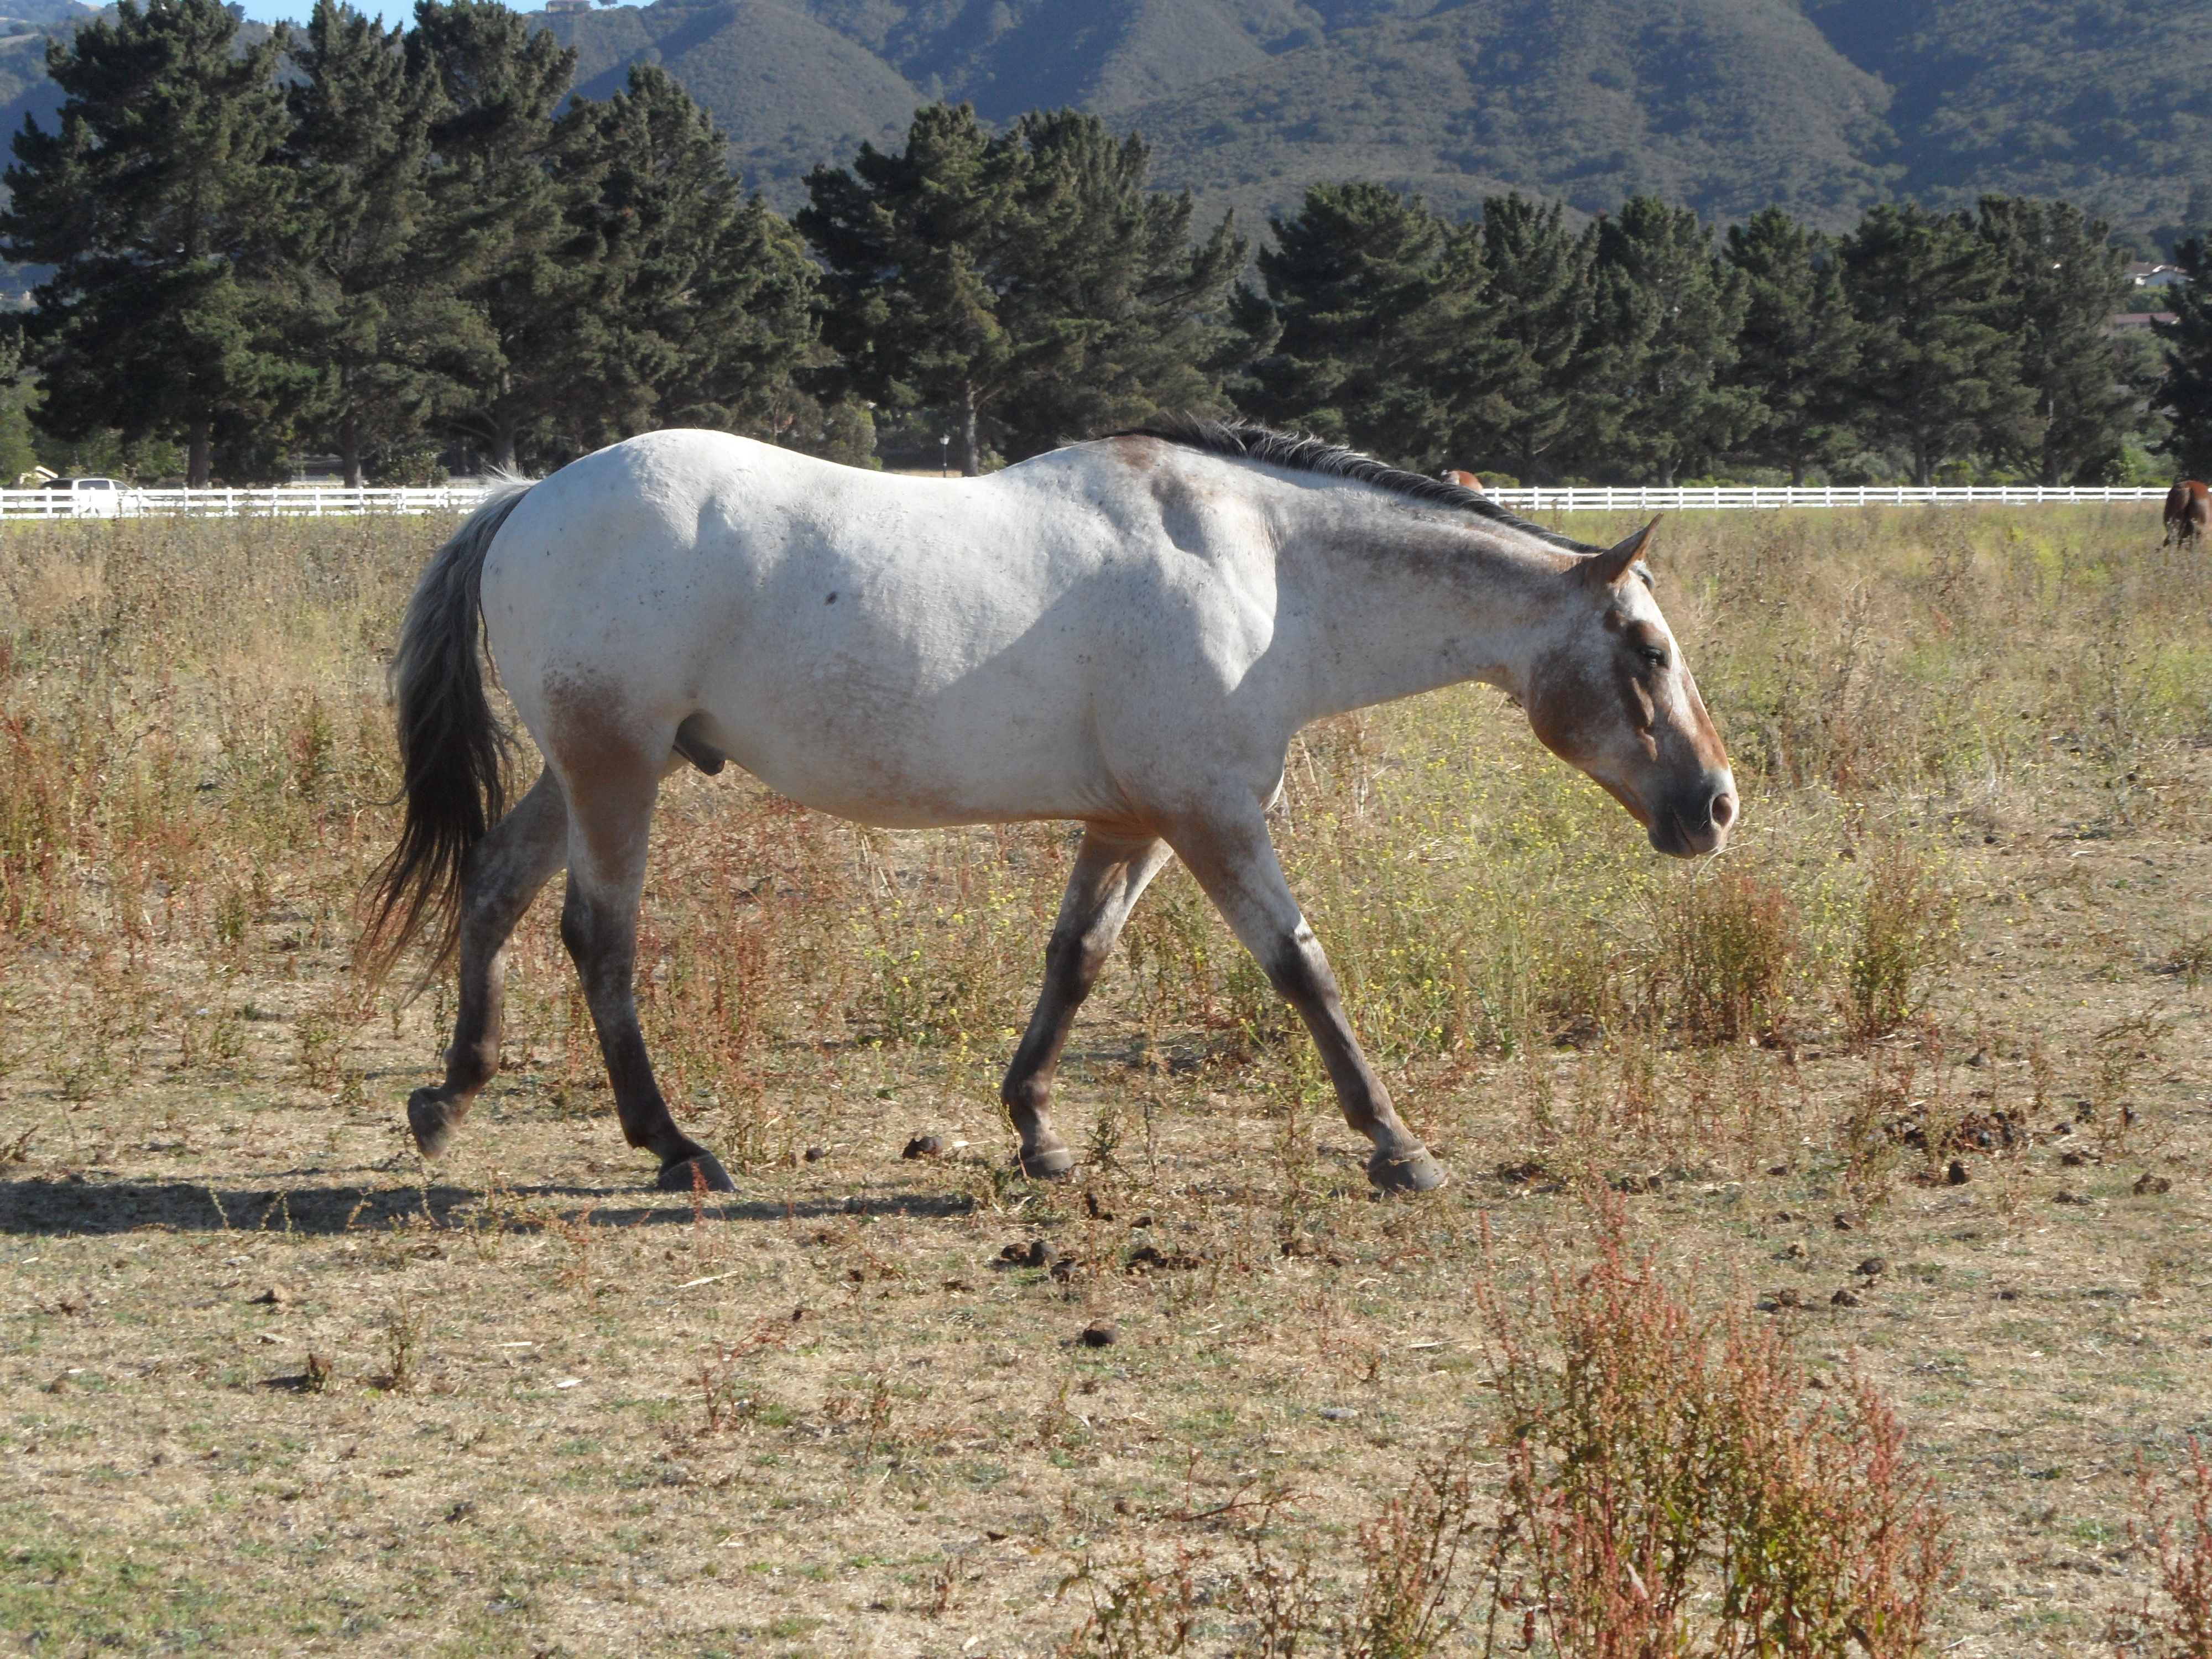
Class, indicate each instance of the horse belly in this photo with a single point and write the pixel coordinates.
(868, 740)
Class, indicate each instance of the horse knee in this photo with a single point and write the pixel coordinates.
(586, 933)
(1075, 958)
(575, 929)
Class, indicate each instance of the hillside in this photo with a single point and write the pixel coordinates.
(1820, 105)
(2105, 103)
(789, 91)
(1725, 104)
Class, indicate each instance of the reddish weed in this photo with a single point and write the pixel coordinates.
(1138, 1614)
(1410, 1601)
(2178, 1623)
(1672, 1488)
(721, 1377)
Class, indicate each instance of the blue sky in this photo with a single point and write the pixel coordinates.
(296, 11)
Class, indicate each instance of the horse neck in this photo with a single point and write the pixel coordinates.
(1395, 610)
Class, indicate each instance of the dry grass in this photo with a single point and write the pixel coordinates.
(272, 1386)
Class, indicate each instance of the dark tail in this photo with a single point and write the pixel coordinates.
(453, 752)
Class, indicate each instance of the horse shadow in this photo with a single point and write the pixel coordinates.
(75, 1204)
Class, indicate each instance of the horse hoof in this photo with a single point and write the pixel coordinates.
(1046, 1163)
(690, 1175)
(432, 1121)
(1406, 1172)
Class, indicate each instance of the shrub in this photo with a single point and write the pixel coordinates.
(1727, 943)
(1904, 933)
(1672, 1486)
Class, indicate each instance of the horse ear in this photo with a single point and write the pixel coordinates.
(1609, 567)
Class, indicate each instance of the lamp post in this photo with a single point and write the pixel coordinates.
(945, 455)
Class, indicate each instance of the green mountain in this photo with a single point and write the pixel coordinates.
(1726, 105)
(790, 91)
(1822, 106)
(2107, 103)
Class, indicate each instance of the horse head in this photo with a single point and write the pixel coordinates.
(1608, 692)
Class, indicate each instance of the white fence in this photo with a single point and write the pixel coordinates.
(1766, 498)
(315, 501)
(303, 501)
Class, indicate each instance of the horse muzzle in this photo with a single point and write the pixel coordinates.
(1697, 821)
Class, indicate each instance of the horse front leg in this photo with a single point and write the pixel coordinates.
(1111, 873)
(500, 876)
(1236, 863)
(611, 817)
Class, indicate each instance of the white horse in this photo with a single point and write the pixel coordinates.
(1125, 633)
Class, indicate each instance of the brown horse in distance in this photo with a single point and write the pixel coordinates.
(2188, 513)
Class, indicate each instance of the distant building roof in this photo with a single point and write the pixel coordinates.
(2145, 273)
(2131, 322)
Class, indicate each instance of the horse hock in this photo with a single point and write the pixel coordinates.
(599, 928)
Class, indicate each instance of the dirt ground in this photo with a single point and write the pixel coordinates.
(271, 1384)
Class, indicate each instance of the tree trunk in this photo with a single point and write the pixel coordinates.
(199, 455)
(1797, 472)
(971, 463)
(1924, 467)
(503, 443)
(350, 450)
(1667, 470)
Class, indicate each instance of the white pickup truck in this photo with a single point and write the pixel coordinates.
(91, 498)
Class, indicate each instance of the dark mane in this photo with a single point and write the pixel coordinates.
(1248, 440)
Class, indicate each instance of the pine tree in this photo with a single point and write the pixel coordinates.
(701, 302)
(1936, 377)
(2186, 392)
(157, 201)
(911, 242)
(1110, 268)
(1507, 335)
(2060, 280)
(1337, 337)
(500, 185)
(1662, 338)
(1799, 346)
(365, 304)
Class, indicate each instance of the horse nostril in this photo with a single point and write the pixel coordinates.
(1723, 809)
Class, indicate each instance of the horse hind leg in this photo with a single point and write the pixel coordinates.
(500, 876)
(609, 817)
(1110, 875)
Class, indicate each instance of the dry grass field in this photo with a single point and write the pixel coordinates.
(1900, 1108)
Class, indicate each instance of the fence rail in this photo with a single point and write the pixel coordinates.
(309, 501)
(314, 501)
(1693, 498)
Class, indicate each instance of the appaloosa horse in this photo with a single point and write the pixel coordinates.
(2188, 513)
(1125, 633)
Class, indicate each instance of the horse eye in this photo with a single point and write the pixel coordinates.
(1654, 654)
